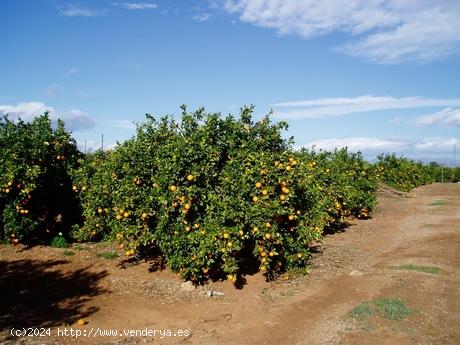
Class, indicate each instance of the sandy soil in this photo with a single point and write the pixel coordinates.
(42, 287)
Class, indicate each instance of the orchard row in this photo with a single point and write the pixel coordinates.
(214, 196)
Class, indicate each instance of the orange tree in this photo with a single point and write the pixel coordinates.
(347, 183)
(218, 195)
(36, 199)
(402, 173)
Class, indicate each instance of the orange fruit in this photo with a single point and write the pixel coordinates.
(81, 322)
(255, 198)
(258, 185)
(173, 188)
(190, 178)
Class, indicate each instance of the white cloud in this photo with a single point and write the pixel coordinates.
(26, 110)
(72, 70)
(202, 17)
(444, 117)
(380, 30)
(436, 144)
(74, 119)
(326, 107)
(137, 5)
(395, 121)
(52, 91)
(72, 10)
(358, 144)
(129, 64)
(87, 145)
(382, 145)
(124, 124)
(91, 145)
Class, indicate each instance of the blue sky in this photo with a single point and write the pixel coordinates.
(376, 76)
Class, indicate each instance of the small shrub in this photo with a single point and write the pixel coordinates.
(59, 241)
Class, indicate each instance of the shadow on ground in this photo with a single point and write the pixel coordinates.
(37, 293)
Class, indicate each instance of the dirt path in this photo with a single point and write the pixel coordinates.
(422, 229)
(402, 264)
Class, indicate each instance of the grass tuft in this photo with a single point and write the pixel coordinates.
(389, 308)
(392, 308)
(438, 203)
(361, 312)
(423, 269)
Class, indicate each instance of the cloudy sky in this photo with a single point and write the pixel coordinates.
(373, 75)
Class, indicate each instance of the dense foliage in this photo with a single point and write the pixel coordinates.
(402, 173)
(214, 196)
(444, 174)
(36, 198)
(219, 195)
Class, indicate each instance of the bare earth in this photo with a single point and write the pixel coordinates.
(41, 287)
